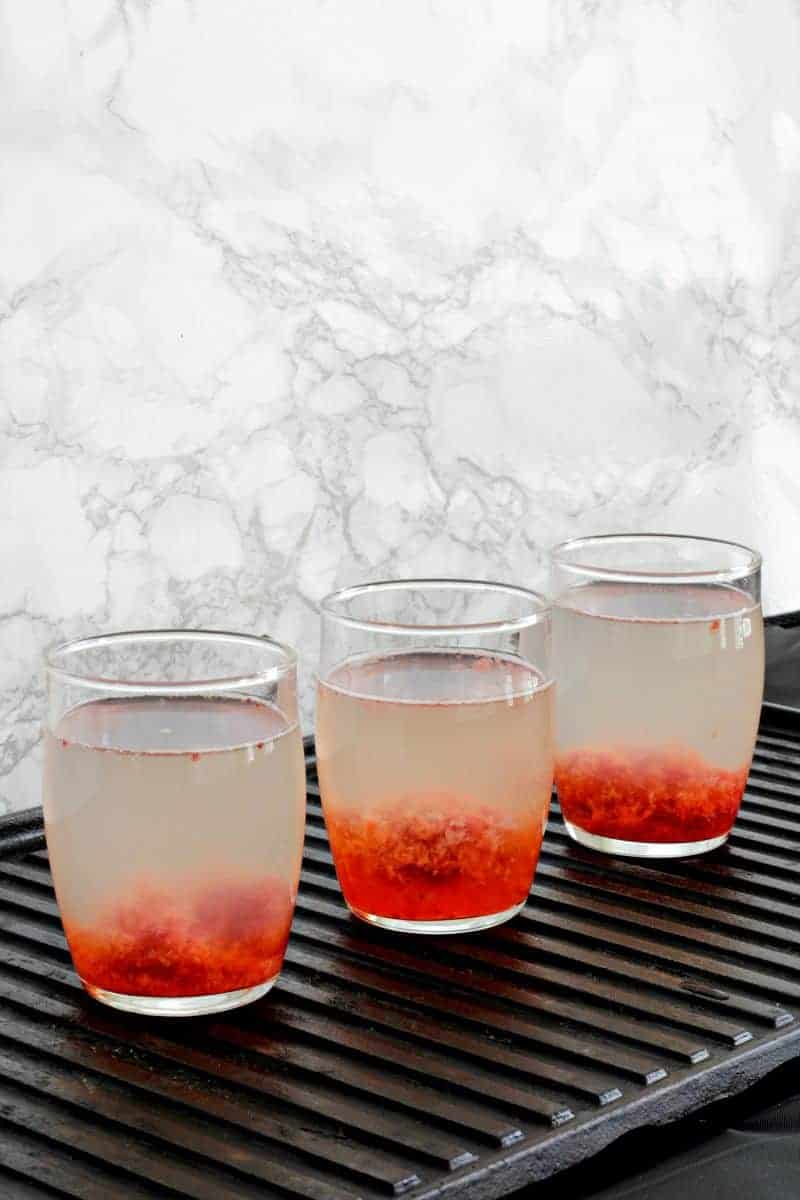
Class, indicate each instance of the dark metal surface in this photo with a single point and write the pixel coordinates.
(782, 637)
(699, 1155)
(625, 995)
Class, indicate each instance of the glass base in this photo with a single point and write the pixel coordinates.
(179, 1006)
(617, 846)
(456, 925)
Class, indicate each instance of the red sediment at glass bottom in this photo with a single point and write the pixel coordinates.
(433, 858)
(668, 794)
(159, 941)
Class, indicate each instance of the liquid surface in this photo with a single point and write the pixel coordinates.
(659, 696)
(435, 770)
(435, 677)
(175, 832)
(656, 602)
(163, 725)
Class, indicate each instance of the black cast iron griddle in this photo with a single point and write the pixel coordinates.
(625, 995)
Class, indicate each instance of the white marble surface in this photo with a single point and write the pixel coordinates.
(294, 295)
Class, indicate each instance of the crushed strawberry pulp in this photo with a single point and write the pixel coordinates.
(433, 857)
(193, 941)
(666, 794)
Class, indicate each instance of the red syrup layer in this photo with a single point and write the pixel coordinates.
(436, 857)
(196, 942)
(648, 795)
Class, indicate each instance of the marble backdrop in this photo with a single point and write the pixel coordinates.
(295, 295)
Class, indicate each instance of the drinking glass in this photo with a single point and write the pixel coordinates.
(659, 653)
(174, 804)
(434, 747)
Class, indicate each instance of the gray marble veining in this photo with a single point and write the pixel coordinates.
(297, 295)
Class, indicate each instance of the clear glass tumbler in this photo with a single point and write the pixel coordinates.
(174, 803)
(659, 654)
(434, 747)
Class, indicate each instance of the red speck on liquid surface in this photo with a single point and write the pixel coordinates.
(441, 861)
(64, 743)
(646, 795)
(161, 942)
(714, 626)
(195, 757)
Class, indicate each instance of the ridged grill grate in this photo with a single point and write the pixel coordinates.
(625, 994)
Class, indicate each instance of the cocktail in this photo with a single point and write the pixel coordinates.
(174, 801)
(659, 656)
(434, 746)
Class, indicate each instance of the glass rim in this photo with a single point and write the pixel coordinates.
(750, 564)
(541, 606)
(164, 687)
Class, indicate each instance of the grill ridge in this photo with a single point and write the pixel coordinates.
(625, 993)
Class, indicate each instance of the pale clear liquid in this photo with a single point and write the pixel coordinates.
(655, 666)
(427, 746)
(179, 800)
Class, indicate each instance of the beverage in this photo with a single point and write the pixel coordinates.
(659, 693)
(175, 833)
(436, 772)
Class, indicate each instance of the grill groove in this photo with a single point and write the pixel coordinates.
(382, 1066)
